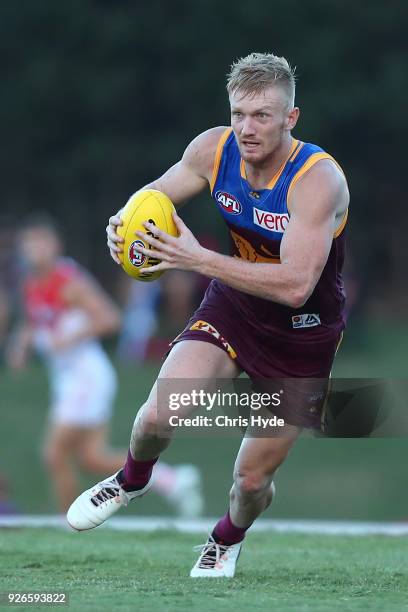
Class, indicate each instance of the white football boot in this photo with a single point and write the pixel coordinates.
(216, 560)
(94, 506)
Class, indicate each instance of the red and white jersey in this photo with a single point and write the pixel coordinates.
(44, 300)
(49, 314)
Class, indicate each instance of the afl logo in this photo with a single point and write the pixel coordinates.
(136, 259)
(228, 202)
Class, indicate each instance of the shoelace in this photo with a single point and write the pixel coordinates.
(107, 491)
(211, 553)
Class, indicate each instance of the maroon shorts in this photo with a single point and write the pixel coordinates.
(269, 357)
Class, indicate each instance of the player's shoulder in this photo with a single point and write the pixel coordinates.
(328, 171)
(76, 281)
(201, 151)
(66, 269)
(319, 170)
(211, 137)
(320, 180)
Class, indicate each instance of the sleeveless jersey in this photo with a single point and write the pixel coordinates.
(48, 313)
(256, 220)
(43, 297)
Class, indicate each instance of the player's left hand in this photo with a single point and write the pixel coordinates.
(181, 253)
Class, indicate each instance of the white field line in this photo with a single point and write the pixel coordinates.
(205, 525)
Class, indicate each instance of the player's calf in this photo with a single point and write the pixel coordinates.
(151, 432)
(250, 495)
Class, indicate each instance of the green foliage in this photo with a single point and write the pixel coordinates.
(99, 97)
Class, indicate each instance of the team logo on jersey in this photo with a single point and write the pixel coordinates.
(255, 194)
(273, 222)
(305, 320)
(136, 259)
(228, 202)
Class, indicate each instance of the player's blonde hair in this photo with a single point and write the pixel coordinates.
(252, 74)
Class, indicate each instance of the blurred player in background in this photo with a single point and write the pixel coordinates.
(65, 314)
(276, 307)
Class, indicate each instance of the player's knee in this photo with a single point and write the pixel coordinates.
(250, 484)
(250, 481)
(151, 422)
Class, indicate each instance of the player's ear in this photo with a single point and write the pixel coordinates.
(292, 118)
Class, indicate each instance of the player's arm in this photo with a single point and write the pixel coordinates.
(318, 202)
(192, 174)
(186, 179)
(18, 349)
(103, 316)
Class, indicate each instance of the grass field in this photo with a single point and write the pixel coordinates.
(107, 570)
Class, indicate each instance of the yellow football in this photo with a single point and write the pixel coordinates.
(146, 205)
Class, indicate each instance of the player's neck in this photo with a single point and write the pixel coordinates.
(260, 175)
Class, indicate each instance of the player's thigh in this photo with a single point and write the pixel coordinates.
(198, 359)
(260, 456)
(191, 364)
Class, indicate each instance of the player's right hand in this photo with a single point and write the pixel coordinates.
(114, 241)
